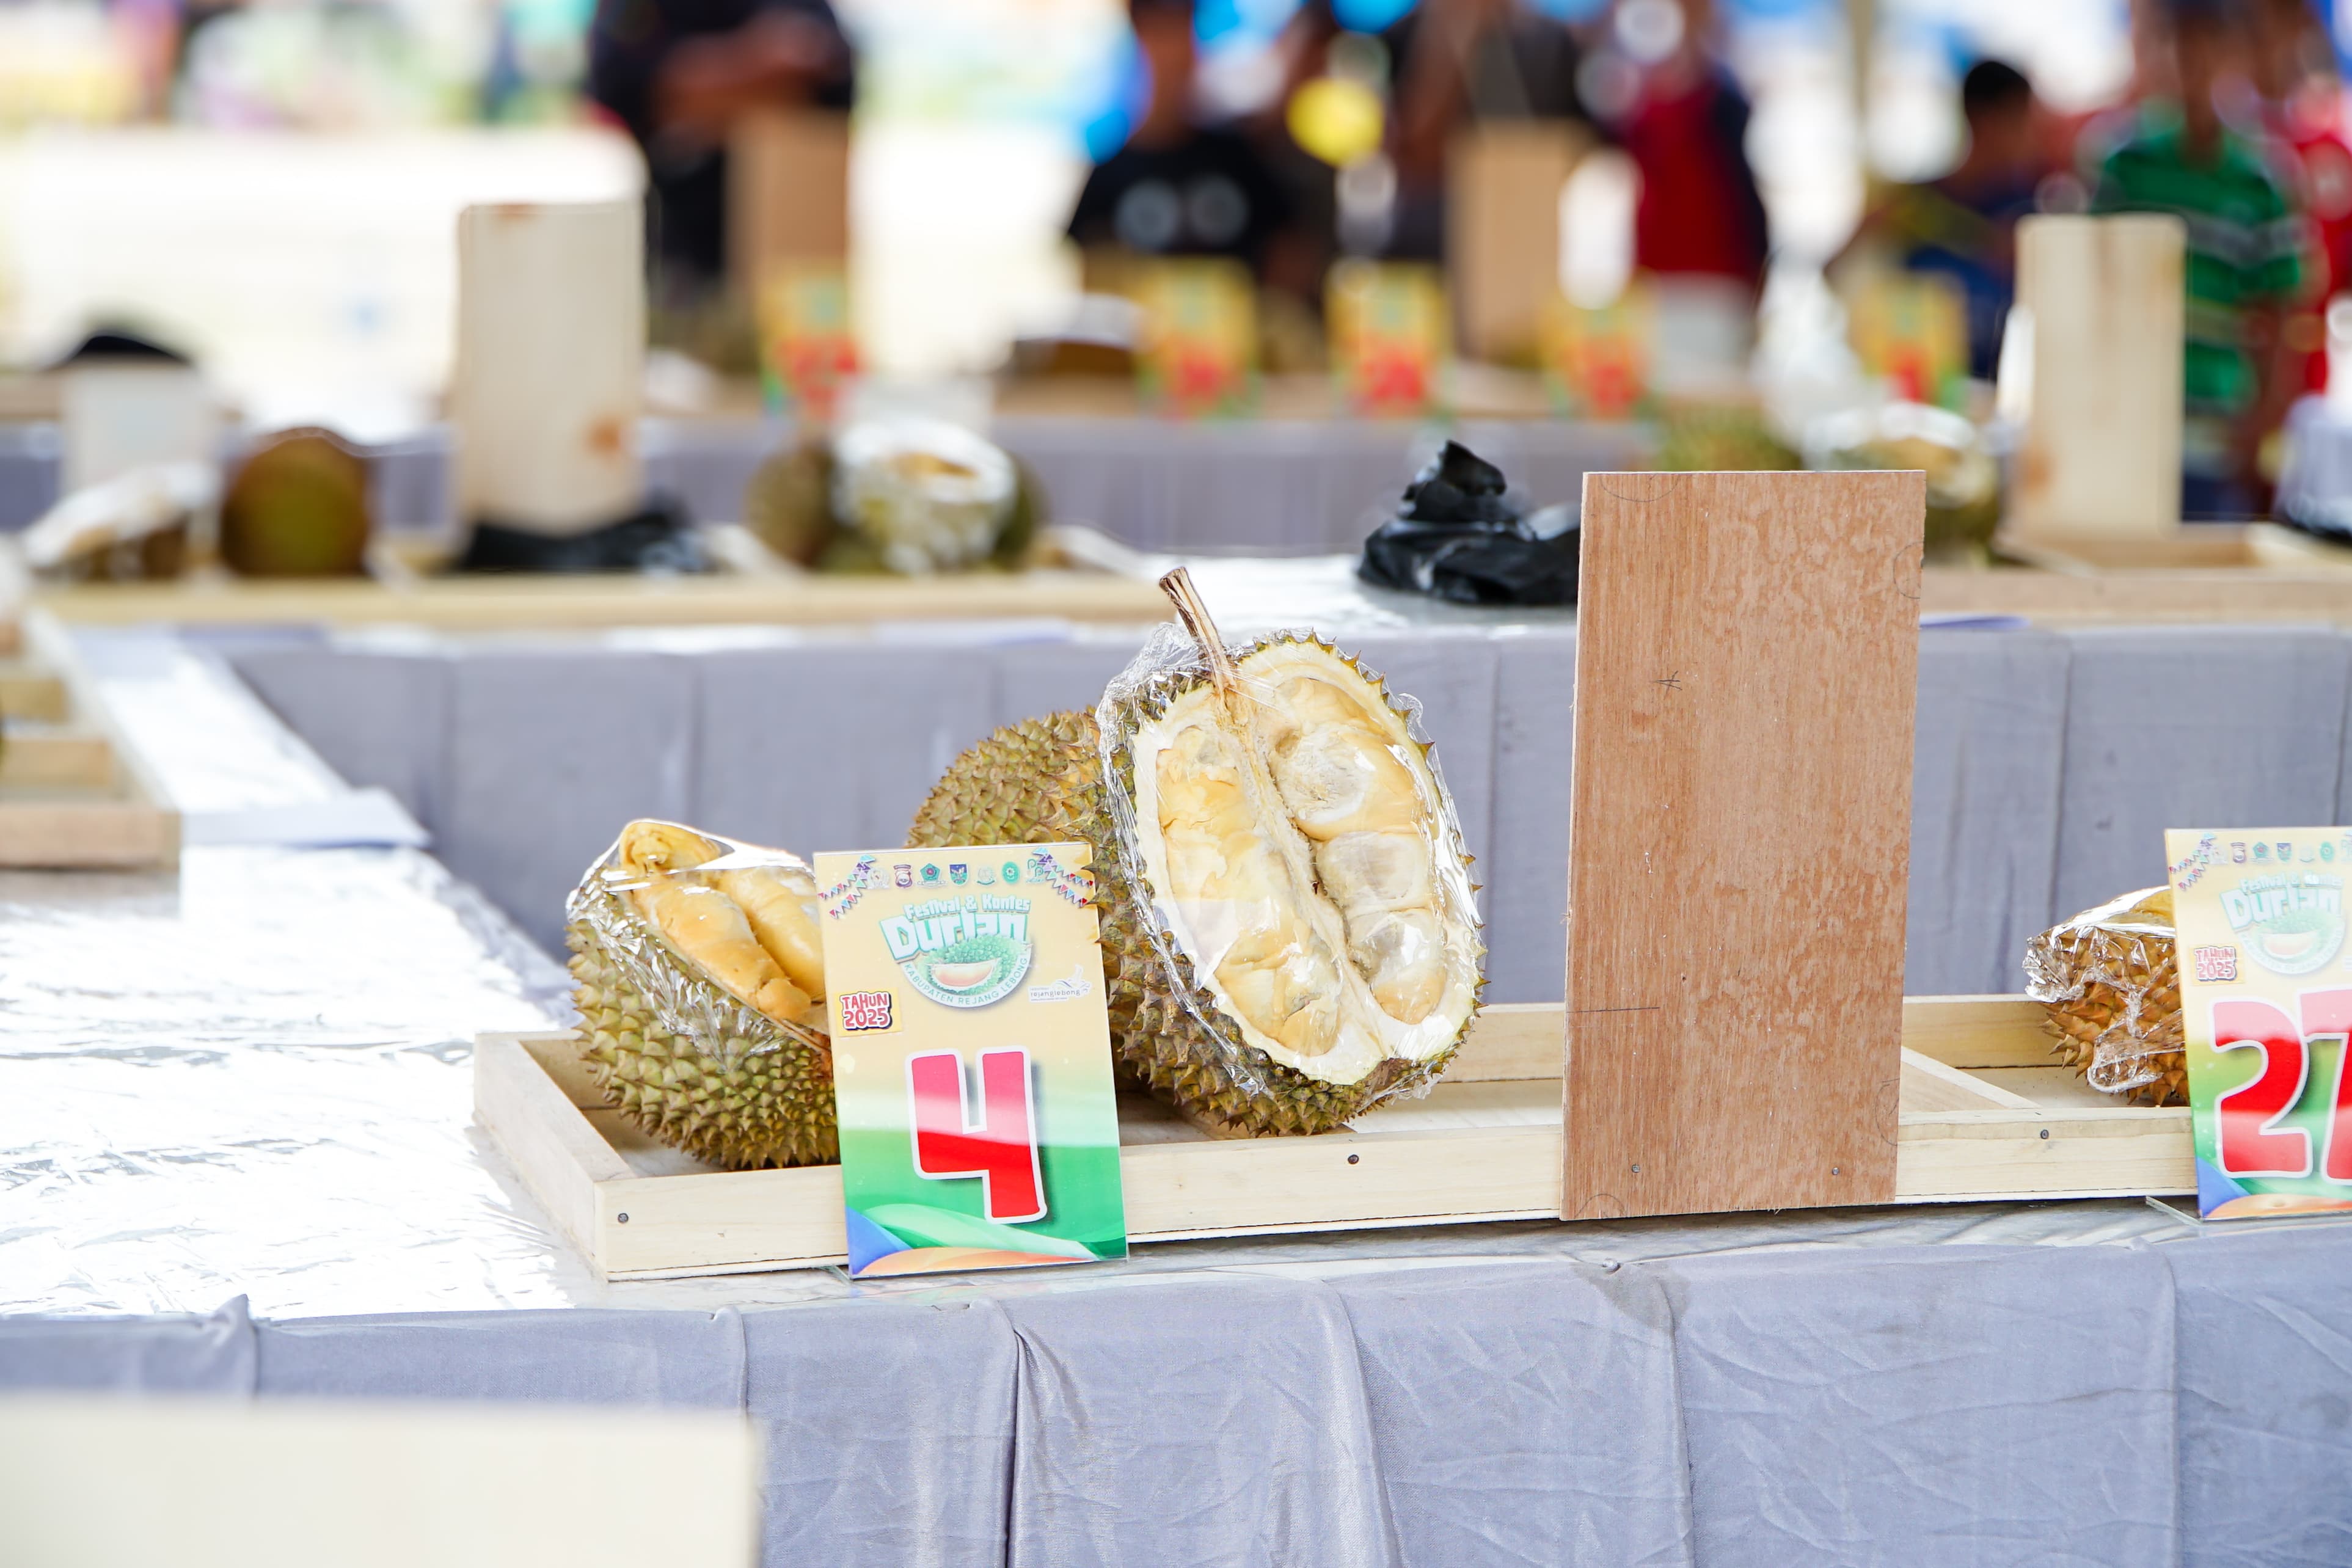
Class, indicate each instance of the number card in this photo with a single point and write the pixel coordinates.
(971, 1059)
(1199, 347)
(2266, 1005)
(1597, 358)
(1912, 332)
(1388, 324)
(808, 343)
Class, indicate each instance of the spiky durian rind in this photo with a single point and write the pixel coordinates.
(738, 1091)
(2110, 988)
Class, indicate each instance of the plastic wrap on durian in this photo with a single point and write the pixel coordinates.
(1303, 1053)
(701, 995)
(2108, 983)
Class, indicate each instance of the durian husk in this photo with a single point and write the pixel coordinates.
(1040, 781)
(682, 1058)
(2111, 996)
(297, 508)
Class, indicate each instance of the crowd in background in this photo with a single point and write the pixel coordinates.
(2235, 124)
(2233, 119)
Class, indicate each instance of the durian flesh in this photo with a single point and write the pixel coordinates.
(1298, 847)
(700, 980)
(746, 915)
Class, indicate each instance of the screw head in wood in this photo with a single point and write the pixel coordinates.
(1353, 1158)
(1637, 1170)
(2046, 1133)
(625, 1219)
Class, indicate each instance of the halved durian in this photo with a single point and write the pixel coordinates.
(1289, 931)
(701, 993)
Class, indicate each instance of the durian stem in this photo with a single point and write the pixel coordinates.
(1178, 586)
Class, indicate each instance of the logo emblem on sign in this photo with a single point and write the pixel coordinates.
(2289, 924)
(963, 952)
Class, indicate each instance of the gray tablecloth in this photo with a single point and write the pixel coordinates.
(2118, 1404)
(2048, 763)
(1259, 487)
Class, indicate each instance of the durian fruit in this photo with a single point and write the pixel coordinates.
(1040, 781)
(912, 498)
(2108, 984)
(1289, 930)
(701, 993)
(297, 508)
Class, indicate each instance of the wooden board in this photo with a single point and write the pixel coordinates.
(74, 793)
(122, 1480)
(2202, 572)
(1502, 243)
(1739, 826)
(1984, 1115)
(788, 192)
(548, 378)
(2099, 315)
(496, 603)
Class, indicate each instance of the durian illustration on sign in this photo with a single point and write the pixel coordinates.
(1289, 931)
(700, 971)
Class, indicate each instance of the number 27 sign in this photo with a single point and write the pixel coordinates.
(2266, 1011)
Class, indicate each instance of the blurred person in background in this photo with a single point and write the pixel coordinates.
(2303, 109)
(1180, 187)
(679, 73)
(1699, 215)
(1449, 65)
(2244, 272)
(1963, 226)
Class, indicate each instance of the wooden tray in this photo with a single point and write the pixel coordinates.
(752, 588)
(73, 794)
(2206, 571)
(1987, 1114)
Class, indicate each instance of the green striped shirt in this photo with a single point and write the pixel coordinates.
(2245, 246)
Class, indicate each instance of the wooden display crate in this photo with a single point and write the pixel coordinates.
(2201, 573)
(1080, 575)
(517, 603)
(1987, 1114)
(74, 795)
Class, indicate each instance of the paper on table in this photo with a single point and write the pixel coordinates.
(357, 819)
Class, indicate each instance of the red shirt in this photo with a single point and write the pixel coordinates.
(1698, 210)
(2312, 126)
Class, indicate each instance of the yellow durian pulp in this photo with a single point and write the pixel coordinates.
(1318, 916)
(700, 967)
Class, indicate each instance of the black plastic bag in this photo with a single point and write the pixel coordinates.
(1459, 538)
(655, 540)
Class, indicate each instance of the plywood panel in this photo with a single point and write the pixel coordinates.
(2098, 332)
(788, 174)
(1739, 831)
(1502, 243)
(549, 371)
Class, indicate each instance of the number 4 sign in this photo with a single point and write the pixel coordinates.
(2266, 1011)
(1000, 1147)
(971, 1059)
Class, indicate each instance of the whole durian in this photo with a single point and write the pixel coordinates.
(700, 974)
(1288, 928)
(2110, 989)
(297, 508)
